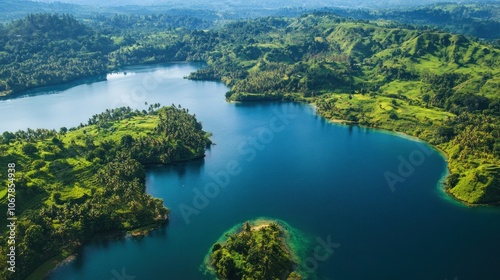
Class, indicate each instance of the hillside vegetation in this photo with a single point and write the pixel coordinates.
(47, 50)
(481, 20)
(443, 88)
(79, 182)
(440, 87)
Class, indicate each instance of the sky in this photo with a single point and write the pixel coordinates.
(260, 3)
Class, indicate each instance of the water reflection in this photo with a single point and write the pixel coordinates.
(55, 89)
(181, 169)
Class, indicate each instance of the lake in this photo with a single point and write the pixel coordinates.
(277, 160)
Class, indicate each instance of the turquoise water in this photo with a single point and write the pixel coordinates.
(278, 160)
(298, 244)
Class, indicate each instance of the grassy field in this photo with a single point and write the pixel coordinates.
(67, 170)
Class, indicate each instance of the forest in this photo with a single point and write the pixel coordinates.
(79, 182)
(480, 20)
(438, 86)
(50, 49)
(100, 41)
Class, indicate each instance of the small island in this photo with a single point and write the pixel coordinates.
(259, 249)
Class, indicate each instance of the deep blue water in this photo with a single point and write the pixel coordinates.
(279, 160)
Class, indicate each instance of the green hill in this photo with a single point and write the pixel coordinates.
(44, 49)
(77, 183)
(480, 20)
(441, 87)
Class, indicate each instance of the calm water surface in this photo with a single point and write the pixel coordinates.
(287, 163)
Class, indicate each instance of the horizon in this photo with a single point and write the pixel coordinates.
(271, 4)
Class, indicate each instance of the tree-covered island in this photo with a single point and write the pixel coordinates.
(256, 250)
(73, 184)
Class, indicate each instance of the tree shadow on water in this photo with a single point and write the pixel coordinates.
(181, 169)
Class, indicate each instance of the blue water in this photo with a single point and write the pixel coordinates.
(278, 160)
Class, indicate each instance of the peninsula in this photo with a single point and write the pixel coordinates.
(79, 182)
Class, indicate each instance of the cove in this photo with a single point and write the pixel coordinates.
(323, 179)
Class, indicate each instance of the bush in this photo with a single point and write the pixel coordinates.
(452, 180)
(38, 164)
(29, 149)
(57, 198)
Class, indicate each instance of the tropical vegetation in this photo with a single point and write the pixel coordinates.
(438, 86)
(255, 252)
(441, 87)
(75, 183)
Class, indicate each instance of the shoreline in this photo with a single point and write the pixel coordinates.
(58, 261)
(52, 87)
(52, 264)
(78, 81)
(441, 184)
